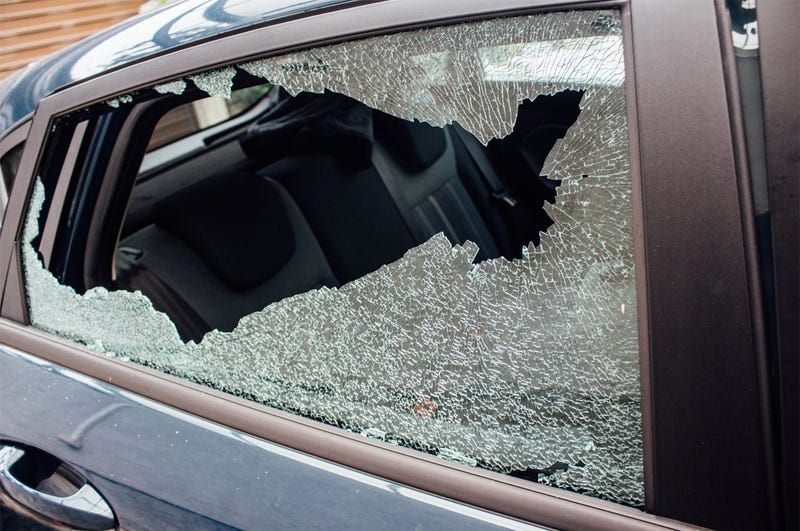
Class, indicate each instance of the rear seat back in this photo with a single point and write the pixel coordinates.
(335, 191)
(225, 247)
(353, 216)
(389, 185)
(417, 163)
(371, 185)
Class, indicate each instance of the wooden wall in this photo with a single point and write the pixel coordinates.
(31, 29)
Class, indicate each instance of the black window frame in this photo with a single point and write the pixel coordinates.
(15, 139)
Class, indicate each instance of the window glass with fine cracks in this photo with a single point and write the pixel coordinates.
(423, 238)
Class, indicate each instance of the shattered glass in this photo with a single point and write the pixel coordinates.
(172, 87)
(216, 82)
(451, 74)
(116, 102)
(530, 364)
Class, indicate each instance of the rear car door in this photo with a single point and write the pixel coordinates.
(571, 384)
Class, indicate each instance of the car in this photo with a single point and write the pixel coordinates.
(404, 264)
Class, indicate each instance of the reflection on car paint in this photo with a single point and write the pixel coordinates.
(136, 38)
(136, 415)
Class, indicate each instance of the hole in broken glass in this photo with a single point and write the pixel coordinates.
(528, 364)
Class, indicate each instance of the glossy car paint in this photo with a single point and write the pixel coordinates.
(146, 35)
(155, 464)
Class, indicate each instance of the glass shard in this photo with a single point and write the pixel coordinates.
(116, 102)
(453, 74)
(216, 82)
(172, 87)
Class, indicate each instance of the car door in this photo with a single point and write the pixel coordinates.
(169, 442)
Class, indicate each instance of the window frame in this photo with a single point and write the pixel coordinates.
(667, 432)
(780, 84)
(10, 141)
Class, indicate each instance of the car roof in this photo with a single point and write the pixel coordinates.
(172, 26)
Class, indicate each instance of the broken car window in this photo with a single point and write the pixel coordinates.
(425, 238)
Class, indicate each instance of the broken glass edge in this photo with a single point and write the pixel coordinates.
(179, 355)
(219, 82)
(274, 69)
(176, 86)
(119, 100)
(44, 287)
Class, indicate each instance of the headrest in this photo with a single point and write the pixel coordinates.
(238, 224)
(413, 145)
(312, 123)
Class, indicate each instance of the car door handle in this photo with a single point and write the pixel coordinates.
(85, 509)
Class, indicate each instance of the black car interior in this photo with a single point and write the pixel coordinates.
(320, 190)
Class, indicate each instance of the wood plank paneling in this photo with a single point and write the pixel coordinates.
(32, 29)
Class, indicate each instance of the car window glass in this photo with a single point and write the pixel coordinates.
(425, 238)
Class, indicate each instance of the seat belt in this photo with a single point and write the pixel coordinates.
(490, 178)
